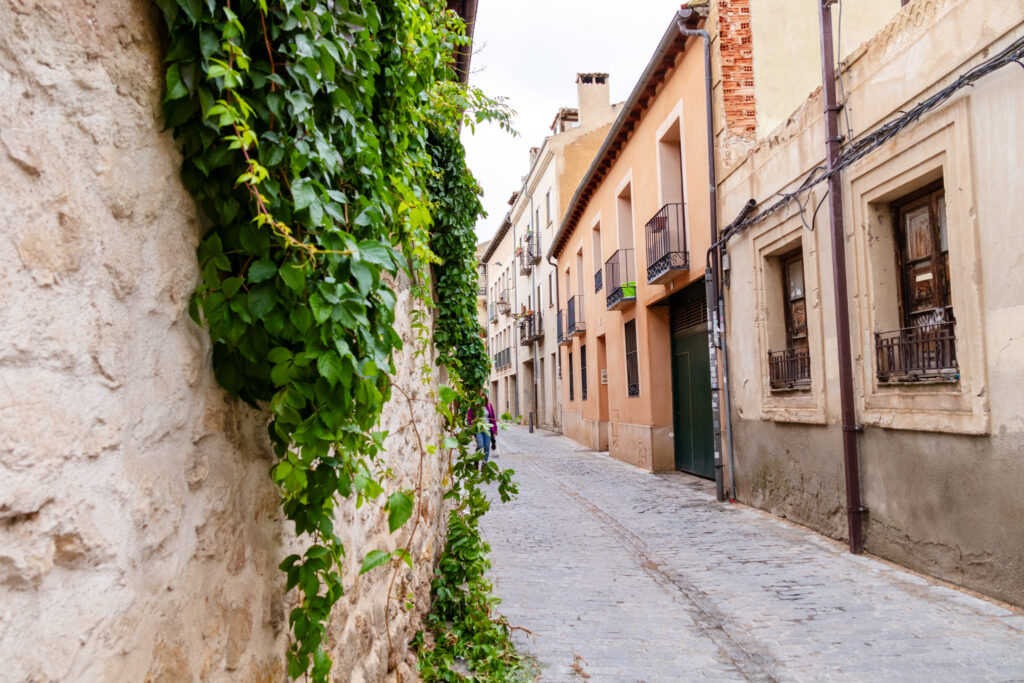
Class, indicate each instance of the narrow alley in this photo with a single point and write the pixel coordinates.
(617, 574)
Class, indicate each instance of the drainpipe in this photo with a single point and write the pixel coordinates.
(558, 346)
(515, 308)
(711, 273)
(854, 509)
(536, 314)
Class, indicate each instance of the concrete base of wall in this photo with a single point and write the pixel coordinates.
(941, 504)
(646, 446)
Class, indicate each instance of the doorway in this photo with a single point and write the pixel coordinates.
(693, 421)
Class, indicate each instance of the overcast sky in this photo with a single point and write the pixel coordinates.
(530, 51)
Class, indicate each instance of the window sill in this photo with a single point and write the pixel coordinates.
(917, 382)
(795, 388)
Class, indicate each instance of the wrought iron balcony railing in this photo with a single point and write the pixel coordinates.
(912, 354)
(524, 265)
(620, 277)
(531, 328)
(666, 243)
(481, 291)
(598, 281)
(532, 245)
(789, 368)
(563, 336)
(574, 318)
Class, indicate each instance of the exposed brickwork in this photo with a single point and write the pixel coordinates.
(737, 60)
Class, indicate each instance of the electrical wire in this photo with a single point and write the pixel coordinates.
(856, 150)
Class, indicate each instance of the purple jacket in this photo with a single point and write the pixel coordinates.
(489, 409)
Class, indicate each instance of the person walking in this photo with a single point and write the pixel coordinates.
(487, 438)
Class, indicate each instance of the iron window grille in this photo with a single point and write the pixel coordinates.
(789, 368)
(563, 337)
(531, 328)
(598, 281)
(583, 372)
(572, 396)
(912, 354)
(632, 361)
(621, 279)
(574, 316)
(666, 243)
(532, 246)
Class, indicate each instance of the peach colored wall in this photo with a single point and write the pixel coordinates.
(638, 162)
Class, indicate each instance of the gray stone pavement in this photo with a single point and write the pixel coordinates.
(623, 575)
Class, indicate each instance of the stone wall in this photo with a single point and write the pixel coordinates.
(139, 529)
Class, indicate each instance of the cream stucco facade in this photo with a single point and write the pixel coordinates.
(522, 328)
(942, 457)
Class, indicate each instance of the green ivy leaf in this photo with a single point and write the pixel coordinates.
(399, 509)
(264, 269)
(175, 87)
(374, 559)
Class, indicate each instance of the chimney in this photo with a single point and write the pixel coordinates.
(593, 98)
(534, 151)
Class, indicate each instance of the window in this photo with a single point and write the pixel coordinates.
(536, 219)
(572, 397)
(632, 361)
(583, 372)
(925, 346)
(547, 206)
(551, 289)
(790, 368)
(924, 259)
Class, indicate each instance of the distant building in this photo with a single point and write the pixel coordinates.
(521, 288)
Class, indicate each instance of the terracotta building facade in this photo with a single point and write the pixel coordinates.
(631, 257)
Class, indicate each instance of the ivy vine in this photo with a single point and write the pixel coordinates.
(310, 131)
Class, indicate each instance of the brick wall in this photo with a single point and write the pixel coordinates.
(737, 64)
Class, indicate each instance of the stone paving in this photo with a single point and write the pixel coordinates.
(623, 575)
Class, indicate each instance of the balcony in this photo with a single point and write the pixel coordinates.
(531, 329)
(620, 277)
(598, 281)
(524, 265)
(532, 244)
(789, 369)
(916, 354)
(574, 322)
(666, 244)
(481, 291)
(503, 359)
(563, 338)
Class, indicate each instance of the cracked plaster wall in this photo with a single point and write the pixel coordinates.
(139, 530)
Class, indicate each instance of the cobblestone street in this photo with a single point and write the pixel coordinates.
(622, 575)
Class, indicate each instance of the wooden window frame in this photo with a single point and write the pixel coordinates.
(926, 196)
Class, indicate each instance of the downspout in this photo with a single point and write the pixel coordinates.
(835, 203)
(716, 324)
(558, 366)
(515, 307)
(536, 314)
